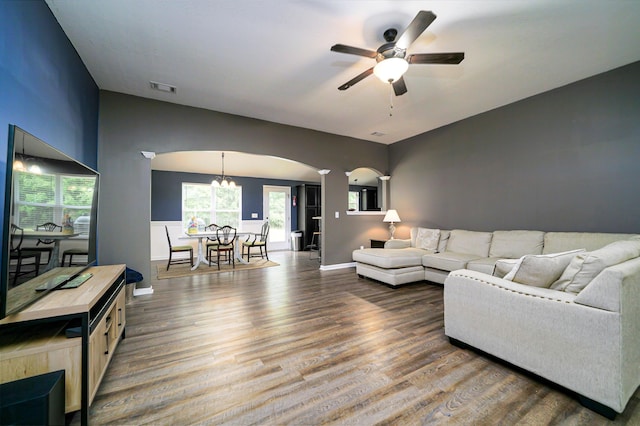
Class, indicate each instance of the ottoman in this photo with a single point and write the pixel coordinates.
(391, 266)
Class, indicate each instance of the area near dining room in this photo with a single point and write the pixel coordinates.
(265, 188)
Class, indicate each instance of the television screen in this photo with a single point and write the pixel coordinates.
(49, 221)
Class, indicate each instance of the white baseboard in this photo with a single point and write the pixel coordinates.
(337, 266)
(142, 291)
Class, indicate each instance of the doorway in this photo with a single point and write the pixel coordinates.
(277, 209)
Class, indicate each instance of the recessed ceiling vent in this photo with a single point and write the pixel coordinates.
(377, 134)
(167, 88)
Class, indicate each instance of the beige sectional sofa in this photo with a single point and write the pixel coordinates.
(582, 332)
(562, 305)
(407, 260)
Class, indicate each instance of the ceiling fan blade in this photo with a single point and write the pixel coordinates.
(420, 23)
(356, 79)
(342, 48)
(399, 88)
(436, 58)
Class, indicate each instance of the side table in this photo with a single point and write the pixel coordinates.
(377, 243)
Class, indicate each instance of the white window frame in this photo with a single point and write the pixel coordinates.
(212, 206)
(58, 207)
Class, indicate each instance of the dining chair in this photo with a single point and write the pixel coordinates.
(226, 237)
(47, 244)
(212, 241)
(17, 253)
(258, 240)
(70, 253)
(178, 249)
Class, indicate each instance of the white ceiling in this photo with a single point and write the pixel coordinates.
(271, 60)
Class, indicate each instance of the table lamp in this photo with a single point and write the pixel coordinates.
(391, 216)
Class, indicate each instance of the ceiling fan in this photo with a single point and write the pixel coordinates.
(392, 59)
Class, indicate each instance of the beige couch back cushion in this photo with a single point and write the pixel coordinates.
(555, 242)
(469, 242)
(442, 243)
(585, 267)
(515, 244)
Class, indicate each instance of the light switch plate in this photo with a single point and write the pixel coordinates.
(337, 215)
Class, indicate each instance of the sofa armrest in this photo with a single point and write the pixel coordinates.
(591, 351)
(500, 283)
(614, 286)
(397, 244)
(617, 289)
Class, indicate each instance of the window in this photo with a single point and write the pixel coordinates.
(42, 198)
(354, 201)
(222, 206)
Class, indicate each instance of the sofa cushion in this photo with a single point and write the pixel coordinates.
(469, 242)
(484, 264)
(515, 244)
(541, 270)
(427, 239)
(397, 244)
(586, 266)
(389, 258)
(447, 261)
(555, 242)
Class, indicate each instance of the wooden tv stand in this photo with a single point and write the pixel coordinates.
(33, 341)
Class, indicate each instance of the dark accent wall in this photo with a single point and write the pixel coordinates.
(564, 160)
(45, 89)
(166, 194)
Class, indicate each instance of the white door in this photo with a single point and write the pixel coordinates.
(277, 209)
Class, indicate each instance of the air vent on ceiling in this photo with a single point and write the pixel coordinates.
(163, 87)
(377, 134)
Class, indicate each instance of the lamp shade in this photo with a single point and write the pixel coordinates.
(390, 70)
(391, 216)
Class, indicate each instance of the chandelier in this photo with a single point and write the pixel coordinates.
(25, 163)
(223, 181)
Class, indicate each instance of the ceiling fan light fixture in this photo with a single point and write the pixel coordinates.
(391, 70)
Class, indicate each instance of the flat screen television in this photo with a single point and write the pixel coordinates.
(43, 186)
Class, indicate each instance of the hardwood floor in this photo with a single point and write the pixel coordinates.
(294, 345)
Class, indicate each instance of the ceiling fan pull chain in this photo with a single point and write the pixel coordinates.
(390, 100)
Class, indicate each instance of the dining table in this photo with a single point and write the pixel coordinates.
(56, 237)
(201, 255)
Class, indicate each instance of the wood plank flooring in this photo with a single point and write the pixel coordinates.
(294, 345)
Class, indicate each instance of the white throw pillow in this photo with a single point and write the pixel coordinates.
(541, 270)
(504, 266)
(427, 239)
(586, 266)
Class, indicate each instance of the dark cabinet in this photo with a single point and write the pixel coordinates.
(309, 206)
(369, 199)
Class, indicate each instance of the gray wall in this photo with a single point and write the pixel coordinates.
(130, 124)
(566, 160)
